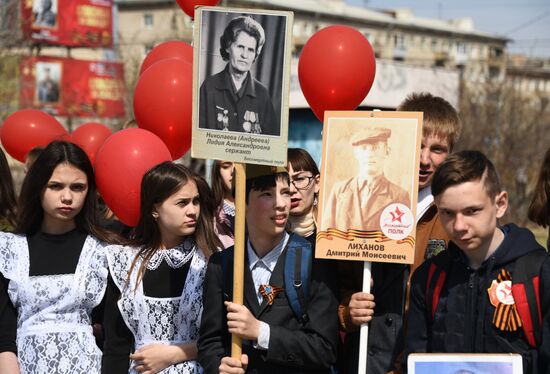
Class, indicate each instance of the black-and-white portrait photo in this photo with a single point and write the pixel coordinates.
(48, 77)
(44, 13)
(241, 69)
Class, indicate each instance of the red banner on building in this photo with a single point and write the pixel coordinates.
(68, 87)
(86, 23)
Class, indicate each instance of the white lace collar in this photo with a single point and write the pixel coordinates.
(175, 257)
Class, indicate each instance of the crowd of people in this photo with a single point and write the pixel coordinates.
(77, 296)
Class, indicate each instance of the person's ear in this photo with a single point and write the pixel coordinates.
(317, 183)
(501, 203)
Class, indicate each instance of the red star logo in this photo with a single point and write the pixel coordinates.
(397, 215)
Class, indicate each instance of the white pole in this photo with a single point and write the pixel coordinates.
(364, 332)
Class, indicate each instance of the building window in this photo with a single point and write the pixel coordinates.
(148, 20)
(494, 72)
(399, 41)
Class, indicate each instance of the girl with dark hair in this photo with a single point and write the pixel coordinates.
(7, 196)
(222, 189)
(154, 296)
(539, 209)
(304, 193)
(53, 269)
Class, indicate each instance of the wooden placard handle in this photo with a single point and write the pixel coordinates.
(238, 261)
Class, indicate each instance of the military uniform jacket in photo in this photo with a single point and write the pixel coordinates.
(343, 210)
(293, 347)
(248, 111)
(54, 325)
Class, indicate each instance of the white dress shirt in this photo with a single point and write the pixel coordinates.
(425, 200)
(261, 269)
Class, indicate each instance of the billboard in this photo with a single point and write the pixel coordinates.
(74, 23)
(69, 87)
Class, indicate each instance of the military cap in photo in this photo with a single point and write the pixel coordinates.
(256, 171)
(371, 135)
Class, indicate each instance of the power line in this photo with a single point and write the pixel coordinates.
(529, 22)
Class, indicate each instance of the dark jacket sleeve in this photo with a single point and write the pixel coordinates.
(206, 120)
(8, 319)
(213, 330)
(544, 349)
(118, 338)
(273, 125)
(417, 323)
(314, 345)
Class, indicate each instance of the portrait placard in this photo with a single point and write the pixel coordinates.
(240, 85)
(464, 363)
(369, 186)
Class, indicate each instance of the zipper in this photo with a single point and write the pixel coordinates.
(470, 320)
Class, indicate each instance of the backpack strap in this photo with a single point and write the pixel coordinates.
(296, 276)
(437, 273)
(525, 289)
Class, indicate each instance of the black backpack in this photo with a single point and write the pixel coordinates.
(297, 273)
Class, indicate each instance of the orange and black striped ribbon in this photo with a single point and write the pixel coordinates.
(506, 316)
(269, 292)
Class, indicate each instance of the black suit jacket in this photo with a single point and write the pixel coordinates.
(293, 348)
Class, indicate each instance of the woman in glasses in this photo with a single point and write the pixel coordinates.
(304, 192)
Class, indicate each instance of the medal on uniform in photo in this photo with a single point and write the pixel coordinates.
(269, 292)
(222, 118)
(251, 122)
(505, 316)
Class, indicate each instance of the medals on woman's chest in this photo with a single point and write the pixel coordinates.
(251, 122)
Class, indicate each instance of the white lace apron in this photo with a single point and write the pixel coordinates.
(54, 327)
(160, 320)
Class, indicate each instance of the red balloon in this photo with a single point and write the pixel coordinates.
(120, 165)
(163, 103)
(90, 137)
(166, 50)
(188, 6)
(27, 129)
(336, 69)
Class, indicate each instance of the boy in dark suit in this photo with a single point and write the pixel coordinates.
(275, 340)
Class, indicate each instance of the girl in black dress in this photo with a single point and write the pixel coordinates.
(154, 297)
(53, 270)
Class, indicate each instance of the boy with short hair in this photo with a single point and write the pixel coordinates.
(471, 313)
(275, 340)
(390, 290)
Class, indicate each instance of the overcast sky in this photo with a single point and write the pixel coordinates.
(527, 21)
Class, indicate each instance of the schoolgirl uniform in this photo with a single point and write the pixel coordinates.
(165, 307)
(49, 286)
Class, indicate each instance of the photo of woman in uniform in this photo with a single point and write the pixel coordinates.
(243, 66)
